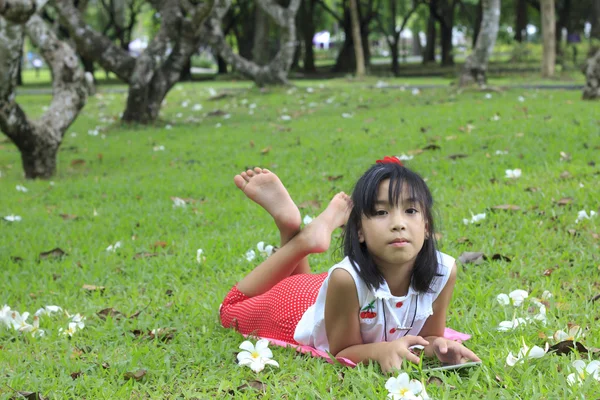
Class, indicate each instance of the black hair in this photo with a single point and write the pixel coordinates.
(364, 197)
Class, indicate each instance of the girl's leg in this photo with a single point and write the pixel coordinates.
(265, 188)
(314, 238)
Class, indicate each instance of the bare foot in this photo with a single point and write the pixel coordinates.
(264, 188)
(317, 234)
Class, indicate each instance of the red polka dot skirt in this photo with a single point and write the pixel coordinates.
(273, 314)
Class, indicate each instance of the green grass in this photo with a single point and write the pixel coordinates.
(123, 193)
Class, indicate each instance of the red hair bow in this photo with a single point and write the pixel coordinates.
(389, 160)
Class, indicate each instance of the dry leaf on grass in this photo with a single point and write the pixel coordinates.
(137, 375)
(508, 207)
(93, 288)
(28, 395)
(54, 253)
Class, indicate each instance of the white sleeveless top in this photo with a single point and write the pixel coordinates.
(380, 311)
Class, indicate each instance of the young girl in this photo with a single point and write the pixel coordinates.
(390, 292)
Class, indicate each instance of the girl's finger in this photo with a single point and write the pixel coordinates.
(415, 340)
(466, 353)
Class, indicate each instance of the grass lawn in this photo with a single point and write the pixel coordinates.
(117, 186)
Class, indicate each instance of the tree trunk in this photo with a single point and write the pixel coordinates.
(261, 50)
(186, 72)
(395, 52)
(307, 26)
(446, 41)
(357, 39)
(549, 37)
(591, 91)
(475, 66)
(276, 71)
(595, 18)
(20, 70)
(520, 20)
(222, 65)
(38, 141)
(562, 22)
(477, 24)
(429, 55)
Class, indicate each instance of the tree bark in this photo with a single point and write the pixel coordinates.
(356, 38)
(446, 43)
(222, 65)
(276, 71)
(261, 51)
(549, 37)
(154, 72)
(591, 91)
(477, 24)
(520, 20)
(38, 141)
(429, 54)
(475, 66)
(595, 17)
(346, 59)
(307, 26)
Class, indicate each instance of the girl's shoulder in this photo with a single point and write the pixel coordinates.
(445, 265)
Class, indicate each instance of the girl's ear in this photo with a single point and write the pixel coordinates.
(361, 237)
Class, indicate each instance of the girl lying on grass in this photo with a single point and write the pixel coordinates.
(390, 292)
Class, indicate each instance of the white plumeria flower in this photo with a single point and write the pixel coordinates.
(510, 325)
(488, 95)
(168, 127)
(250, 255)
(47, 310)
(197, 107)
(12, 218)
(347, 115)
(416, 91)
(177, 202)
(265, 251)
(256, 357)
(199, 255)
(19, 321)
(212, 92)
(513, 173)
(541, 315)
(403, 387)
(583, 371)
(70, 331)
(581, 215)
(6, 315)
(309, 90)
(574, 333)
(159, 148)
(185, 104)
(381, 84)
(307, 219)
(546, 295)
(285, 118)
(474, 218)
(521, 99)
(496, 118)
(218, 125)
(526, 353)
(516, 297)
(78, 320)
(501, 152)
(21, 188)
(34, 329)
(404, 157)
(113, 247)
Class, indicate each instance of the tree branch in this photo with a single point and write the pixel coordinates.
(330, 11)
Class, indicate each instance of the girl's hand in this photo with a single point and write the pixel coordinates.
(451, 352)
(392, 355)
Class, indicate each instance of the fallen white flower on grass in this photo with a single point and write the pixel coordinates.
(381, 84)
(250, 255)
(307, 219)
(513, 173)
(212, 92)
(113, 247)
(19, 321)
(159, 148)
(218, 125)
(5, 315)
(197, 107)
(488, 95)
(541, 315)
(516, 297)
(199, 257)
(47, 310)
(168, 127)
(403, 387)
(510, 325)
(583, 371)
(496, 118)
(12, 218)
(574, 333)
(416, 91)
(526, 353)
(309, 90)
(286, 118)
(521, 99)
(256, 357)
(474, 218)
(178, 202)
(21, 188)
(581, 215)
(501, 152)
(347, 115)
(404, 157)
(546, 295)
(265, 251)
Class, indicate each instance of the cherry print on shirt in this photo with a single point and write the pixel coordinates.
(399, 304)
(367, 312)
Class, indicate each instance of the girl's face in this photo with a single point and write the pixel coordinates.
(395, 235)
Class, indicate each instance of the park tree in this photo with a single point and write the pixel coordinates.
(591, 69)
(475, 67)
(38, 140)
(595, 19)
(444, 12)
(547, 12)
(356, 38)
(387, 24)
(156, 70)
(276, 70)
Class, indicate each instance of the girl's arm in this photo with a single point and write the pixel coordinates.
(448, 351)
(342, 326)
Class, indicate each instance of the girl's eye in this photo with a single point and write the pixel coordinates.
(380, 212)
(412, 211)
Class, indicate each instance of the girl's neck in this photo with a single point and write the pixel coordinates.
(398, 280)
